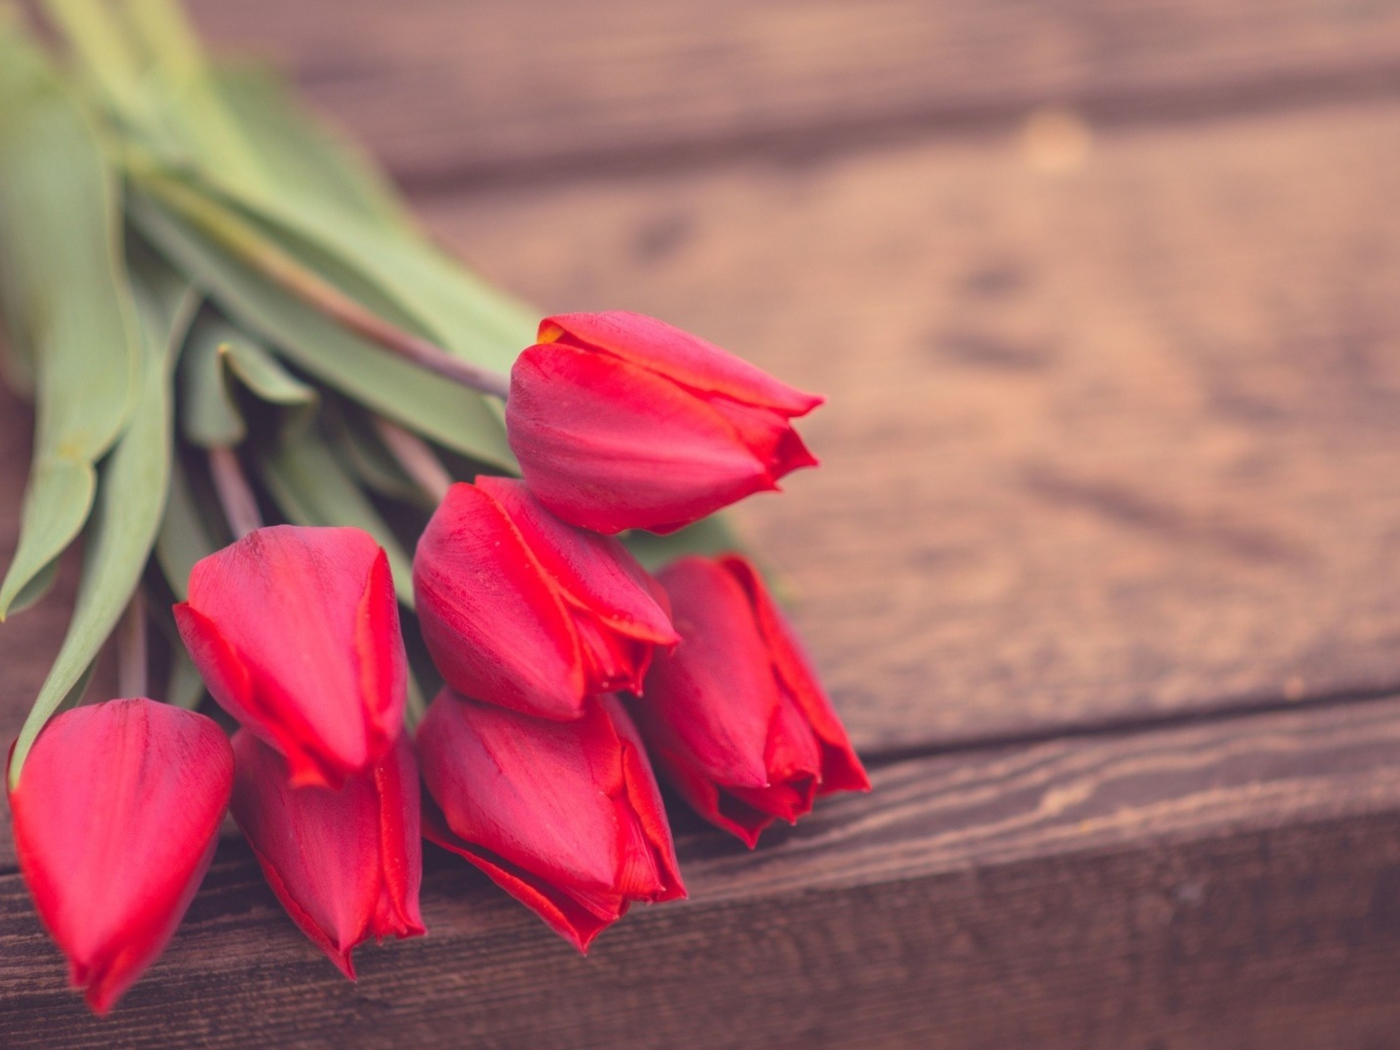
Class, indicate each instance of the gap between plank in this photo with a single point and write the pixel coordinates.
(879, 758)
(820, 141)
(1117, 727)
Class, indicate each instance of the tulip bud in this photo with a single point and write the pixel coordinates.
(346, 863)
(296, 633)
(564, 816)
(116, 818)
(621, 421)
(735, 719)
(520, 609)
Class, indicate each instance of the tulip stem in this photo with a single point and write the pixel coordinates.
(417, 459)
(416, 707)
(235, 494)
(253, 247)
(131, 649)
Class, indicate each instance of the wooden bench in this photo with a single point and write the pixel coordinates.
(1102, 568)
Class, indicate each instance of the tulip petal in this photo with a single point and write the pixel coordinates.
(614, 661)
(230, 684)
(574, 420)
(841, 769)
(114, 856)
(643, 797)
(107, 980)
(768, 436)
(715, 697)
(494, 626)
(332, 855)
(701, 793)
(304, 611)
(735, 718)
(401, 857)
(527, 789)
(383, 663)
(596, 573)
(673, 352)
(561, 912)
(565, 816)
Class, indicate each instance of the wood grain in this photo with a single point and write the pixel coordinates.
(1234, 884)
(451, 90)
(1109, 442)
(1112, 461)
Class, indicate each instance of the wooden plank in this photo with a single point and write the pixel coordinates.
(446, 90)
(1114, 430)
(1225, 885)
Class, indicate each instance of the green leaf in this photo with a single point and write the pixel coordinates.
(260, 372)
(708, 537)
(355, 440)
(312, 488)
(67, 294)
(209, 414)
(319, 196)
(185, 687)
(184, 99)
(130, 504)
(16, 353)
(105, 52)
(35, 589)
(302, 153)
(455, 309)
(436, 408)
(185, 535)
(216, 354)
(361, 226)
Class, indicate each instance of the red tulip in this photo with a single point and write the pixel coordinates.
(519, 609)
(564, 816)
(735, 719)
(296, 632)
(622, 422)
(347, 863)
(116, 817)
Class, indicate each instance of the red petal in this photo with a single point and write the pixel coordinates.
(290, 603)
(841, 769)
(768, 435)
(400, 804)
(563, 914)
(703, 795)
(495, 627)
(714, 698)
(534, 792)
(277, 725)
(607, 445)
(647, 812)
(114, 856)
(595, 573)
(323, 851)
(383, 662)
(675, 353)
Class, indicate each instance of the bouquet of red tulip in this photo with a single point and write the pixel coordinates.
(225, 318)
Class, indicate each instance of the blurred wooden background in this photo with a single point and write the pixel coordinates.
(1103, 565)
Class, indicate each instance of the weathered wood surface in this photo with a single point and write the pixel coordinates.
(1114, 443)
(1105, 445)
(503, 90)
(1224, 885)
(1110, 443)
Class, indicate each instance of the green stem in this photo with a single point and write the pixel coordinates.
(416, 707)
(417, 459)
(131, 649)
(235, 494)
